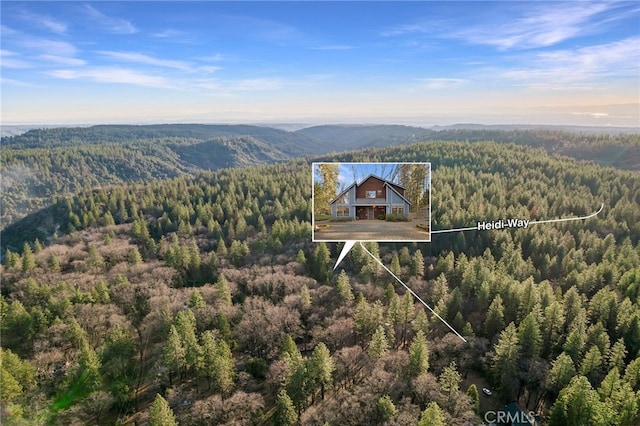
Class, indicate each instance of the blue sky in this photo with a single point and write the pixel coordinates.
(350, 172)
(421, 63)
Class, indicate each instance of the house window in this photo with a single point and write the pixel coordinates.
(344, 199)
(371, 194)
(397, 210)
(342, 211)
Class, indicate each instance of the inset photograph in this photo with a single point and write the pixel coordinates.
(372, 202)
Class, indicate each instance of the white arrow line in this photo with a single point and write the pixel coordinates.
(413, 293)
(472, 228)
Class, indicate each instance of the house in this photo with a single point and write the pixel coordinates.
(370, 199)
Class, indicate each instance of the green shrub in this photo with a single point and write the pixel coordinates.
(397, 218)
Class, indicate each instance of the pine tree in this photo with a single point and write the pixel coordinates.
(505, 359)
(577, 405)
(186, 327)
(529, 336)
(225, 368)
(28, 260)
(474, 396)
(223, 291)
(90, 366)
(495, 318)
(417, 264)
(395, 265)
(53, 262)
(284, 414)
(134, 257)
(379, 345)
(300, 257)
(160, 413)
(418, 355)
(562, 370)
(320, 268)
(305, 297)
(290, 350)
(174, 353)
(321, 366)
(386, 408)
(196, 300)
(432, 416)
(343, 287)
(450, 383)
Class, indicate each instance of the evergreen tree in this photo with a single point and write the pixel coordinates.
(223, 291)
(305, 297)
(301, 258)
(284, 414)
(495, 318)
(386, 408)
(160, 413)
(196, 300)
(450, 383)
(321, 366)
(577, 405)
(28, 260)
(474, 396)
(418, 355)
(505, 360)
(432, 416)
(417, 264)
(379, 345)
(174, 353)
(320, 267)
(134, 257)
(52, 262)
(343, 287)
(561, 372)
(529, 336)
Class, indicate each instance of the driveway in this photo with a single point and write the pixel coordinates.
(371, 230)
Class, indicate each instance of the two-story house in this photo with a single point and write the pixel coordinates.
(369, 199)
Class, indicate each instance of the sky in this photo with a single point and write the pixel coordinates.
(419, 63)
(357, 172)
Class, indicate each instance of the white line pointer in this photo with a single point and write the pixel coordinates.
(472, 228)
(413, 293)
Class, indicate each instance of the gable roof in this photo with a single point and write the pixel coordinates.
(385, 183)
(397, 193)
(342, 193)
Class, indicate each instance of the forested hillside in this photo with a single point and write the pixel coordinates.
(42, 164)
(201, 299)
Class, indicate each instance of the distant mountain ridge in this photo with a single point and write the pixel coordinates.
(42, 164)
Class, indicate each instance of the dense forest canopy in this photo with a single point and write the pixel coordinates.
(42, 164)
(200, 299)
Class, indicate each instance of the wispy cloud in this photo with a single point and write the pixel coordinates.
(108, 23)
(549, 24)
(62, 60)
(9, 60)
(253, 84)
(49, 47)
(44, 21)
(583, 67)
(140, 58)
(333, 47)
(169, 33)
(12, 82)
(441, 83)
(521, 25)
(112, 75)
